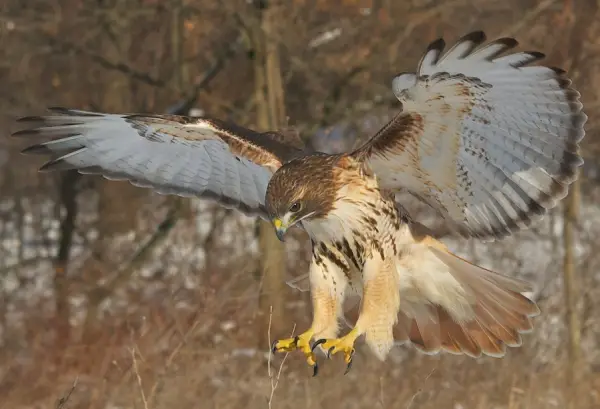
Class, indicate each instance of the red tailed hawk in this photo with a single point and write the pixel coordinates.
(488, 141)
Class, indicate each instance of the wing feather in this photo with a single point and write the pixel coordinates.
(170, 154)
(486, 140)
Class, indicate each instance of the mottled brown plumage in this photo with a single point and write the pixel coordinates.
(309, 180)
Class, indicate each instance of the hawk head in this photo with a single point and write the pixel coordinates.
(303, 189)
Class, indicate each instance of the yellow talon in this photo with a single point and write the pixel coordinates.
(301, 342)
(344, 344)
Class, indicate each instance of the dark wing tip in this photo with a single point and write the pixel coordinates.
(30, 118)
(57, 164)
(39, 149)
(476, 37)
(26, 132)
(537, 55)
(507, 42)
(473, 40)
(51, 165)
(437, 45)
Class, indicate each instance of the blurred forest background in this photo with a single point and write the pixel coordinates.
(112, 296)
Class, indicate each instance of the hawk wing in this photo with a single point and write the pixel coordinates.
(486, 140)
(171, 154)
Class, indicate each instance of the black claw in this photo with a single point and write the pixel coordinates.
(296, 339)
(317, 343)
(348, 367)
(315, 369)
(329, 352)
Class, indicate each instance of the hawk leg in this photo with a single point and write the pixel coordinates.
(378, 313)
(326, 308)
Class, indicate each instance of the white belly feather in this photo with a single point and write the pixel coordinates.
(423, 277)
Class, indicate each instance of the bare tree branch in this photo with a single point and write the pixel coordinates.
(64, 47)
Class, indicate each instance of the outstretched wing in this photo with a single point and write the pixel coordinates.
(171, 154)
(487, 141)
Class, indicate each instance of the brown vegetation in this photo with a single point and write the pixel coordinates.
(114, 297)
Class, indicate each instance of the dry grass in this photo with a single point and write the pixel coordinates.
(190, 361)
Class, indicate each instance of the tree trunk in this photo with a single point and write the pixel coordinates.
(68, 201)
(270, 115)
(118, 202)
(583, 13)
(570, 289)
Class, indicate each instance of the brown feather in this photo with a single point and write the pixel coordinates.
(312, 180)
(500, 313)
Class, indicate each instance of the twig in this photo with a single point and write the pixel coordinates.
(184, 340)
(139, 378)
(331, 102)
(293, 283)
(63, 401)
(24, 263)
(126, 270)
(172, 356)
(184, 106)
(528, 18)
(418, 392)
(424, 17)
(274, 381)
(381, 396)
(67, 47)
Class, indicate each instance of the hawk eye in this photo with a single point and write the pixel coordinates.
(295, 207)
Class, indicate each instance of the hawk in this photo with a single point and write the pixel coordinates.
(486, 139)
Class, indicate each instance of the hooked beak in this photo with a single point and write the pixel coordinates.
(280, 228)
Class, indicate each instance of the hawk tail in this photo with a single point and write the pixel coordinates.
(499, 314)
